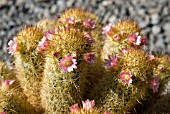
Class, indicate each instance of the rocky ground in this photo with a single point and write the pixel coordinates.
(153, 16)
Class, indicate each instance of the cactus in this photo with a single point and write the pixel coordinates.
(12, 99)
(60, 62)
(127, 85)
(162, 69)
(60, 83)
(123, 34)
(29, 63)
(88, 107)
(88, 23)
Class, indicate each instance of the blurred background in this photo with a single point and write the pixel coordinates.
(153, 16)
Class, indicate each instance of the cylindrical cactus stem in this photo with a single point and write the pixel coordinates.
(12, 98)
(60, 85)
(138, 63)
(88, 23)
(85, 21)
(29, 64)
(122, 89)
(162, 70)
(124, 33)
(59, 89)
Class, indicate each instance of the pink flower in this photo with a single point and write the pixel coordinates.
(88, 104)
(56, 54)
(2, 112)
(152, 57)
(111, 62)
(74, 108)
(138, 41)
(5, 84)
(89, 38)
(126, 77)
(89, 57)
(107, 29)
(143, 40)
(89, 23)
(116, 37)
(124, 50)
(67, 63)
(155, 84)
(42, 45)
(49, 34)
(13, 47)
(71, 20)
(106, 112)
(132, 38)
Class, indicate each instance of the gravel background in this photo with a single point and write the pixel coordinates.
(153, 16)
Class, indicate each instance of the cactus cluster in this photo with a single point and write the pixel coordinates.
(59, 64)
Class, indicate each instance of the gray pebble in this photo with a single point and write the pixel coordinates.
(106, 17)
(53, 9)
(168, 49)
(70, 3)
(19, 2)
(3, 2)
(1, 44)
(166, 27)
(160, 42)
(112, 19)
(155, 19)
(156, 29)
(167, 39)
(145, 22)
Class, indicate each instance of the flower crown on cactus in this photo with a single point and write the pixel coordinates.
(58, 64)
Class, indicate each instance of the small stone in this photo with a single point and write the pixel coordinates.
(106, 2)
(3, 2)
(19, 2)
(167, 40)
(155, 19)
(46, 13)
(112, 19)
(168, 49)
(53, 9)
(145, 21)
(61, 5)
(70, 3)
(141, 12)
(160, 42)
(1, 43)
(156, 29)
(166, 27)
(101, 11)
(106, 17)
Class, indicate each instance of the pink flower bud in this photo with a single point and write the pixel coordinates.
(155, 84)
(6, 84)
(106, 112)
(2, 112)
(88, 104)
(107, 29)
(71, 20)
(74, 108)
(89, 23)
(13, 47)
